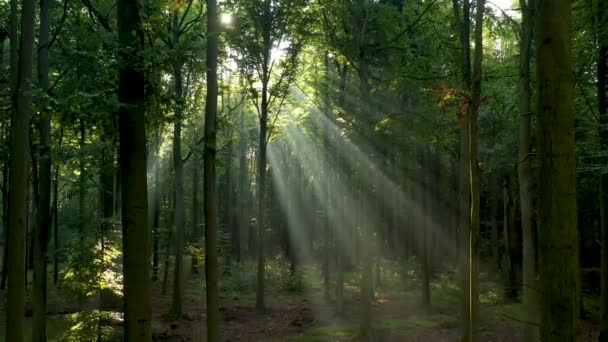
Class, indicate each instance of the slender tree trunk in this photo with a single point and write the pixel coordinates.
(424, 198)
(340, 253)
(602, 80)
(472, 287)
(195, 211)
(525, 175)
(466, 245)
(43, 225)
(261, 179)
(136, 233)
(558, 258)
(22, 111)
(211, 253)
(156, 220)
(5, 214)
(243, 187)
(327, 111)
(169, 242)
(494, 224)
(55, 216)
(81, 184)
(178, 165)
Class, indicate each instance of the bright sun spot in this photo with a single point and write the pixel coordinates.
(226, 18)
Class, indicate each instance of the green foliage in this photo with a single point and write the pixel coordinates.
(242, 278)
(92, 266)
(93, 326)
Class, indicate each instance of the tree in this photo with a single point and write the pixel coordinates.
(136, 235)
(602, 81)
(210, 193)
(43, 224)
(558, 259)
(22, 112)
(469, 170)
(525, 171)
(264, 25)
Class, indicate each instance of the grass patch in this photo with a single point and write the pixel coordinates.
(347, 332)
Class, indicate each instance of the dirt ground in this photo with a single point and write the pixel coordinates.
(307, 317)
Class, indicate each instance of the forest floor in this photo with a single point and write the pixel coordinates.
(299, 312)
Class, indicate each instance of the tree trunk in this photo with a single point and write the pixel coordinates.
(472, 288)
(156, 220)
(82, 191)
(526, 178)
(178, 166)
(136, 233)
(558, 258)
(195, 211)
(5, 215)
(22, 111)
(602, 79)
(211, 253)
(261, 180)
(243, 187)
(44, 183)
(327, 111)
(466, 244)
(55, 216)
(340, 253)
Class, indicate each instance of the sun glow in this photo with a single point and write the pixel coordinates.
(226, 19)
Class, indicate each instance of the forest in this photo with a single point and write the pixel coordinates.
(303, 170)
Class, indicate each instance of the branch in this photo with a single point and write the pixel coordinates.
(181, 21)
(63, 16)
(189, 24)
(407, 29)
(515, 25)
(585, 97)
(94, 12)
(61, 76)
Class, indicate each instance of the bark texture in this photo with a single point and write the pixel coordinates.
(558, 258)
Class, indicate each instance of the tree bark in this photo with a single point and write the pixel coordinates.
(210, 193)
(261, 179)
(22, 111)
(558, 258)
(178, 166)
(198, 236)
(602, 80)
(526, 178)
(43, 225)
(136, 234)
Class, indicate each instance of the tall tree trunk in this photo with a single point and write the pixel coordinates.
(22, 111)
(82, 191)
(211, 253)
(463, 22)
(472, 288)
(526, 178)
(55, 215)
(262, 144)
(243, 187)
(327, 135)
(494, 223)
(156, 220)
(44, 206)
(426, 218)
(136, 233)
(340, 253)
(5, 214)
(196, 232)
(178, 166)
(558, 258)
(602, 80)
